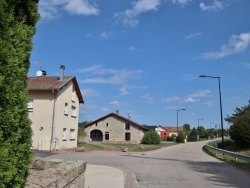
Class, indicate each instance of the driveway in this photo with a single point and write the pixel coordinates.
(183, 165)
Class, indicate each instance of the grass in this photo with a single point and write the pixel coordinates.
(141, 147)
(88, 146)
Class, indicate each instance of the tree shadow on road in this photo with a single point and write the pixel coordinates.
(218, 173)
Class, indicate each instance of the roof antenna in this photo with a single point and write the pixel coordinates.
(39, 73)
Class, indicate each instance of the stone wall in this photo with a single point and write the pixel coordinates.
(56, 173)
(116, 129)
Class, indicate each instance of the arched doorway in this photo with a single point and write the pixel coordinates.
(96, 135)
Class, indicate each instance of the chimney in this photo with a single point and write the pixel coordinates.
(117, 112)
(62, 67)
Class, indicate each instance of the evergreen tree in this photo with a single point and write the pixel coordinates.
(17, 27)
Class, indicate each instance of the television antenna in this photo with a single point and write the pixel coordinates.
(39, 63)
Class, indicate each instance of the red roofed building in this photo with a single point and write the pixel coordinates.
(173, 130)
(53, 107)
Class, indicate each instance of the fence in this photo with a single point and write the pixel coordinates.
(229, 153)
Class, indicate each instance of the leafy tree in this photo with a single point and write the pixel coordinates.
(186, 128)
(201, 131)
(17, 27)
(240, 125)
(151, 137)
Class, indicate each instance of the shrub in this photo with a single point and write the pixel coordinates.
(17, 23)
(180, 138)
(151, 137)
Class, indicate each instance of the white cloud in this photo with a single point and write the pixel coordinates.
(190, 99)
(236, 44)
(147, 98)
(89, 35)
(124, 90)
(49, 9)
(102, 75)
(201, 93)
(193, 35)
(171, 99)
(181, 2)
(105, 110)
(129, 16)
(116, 103)
(217, 5)
(105, 34)
(89, 93)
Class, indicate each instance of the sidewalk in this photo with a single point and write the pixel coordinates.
(98, 176)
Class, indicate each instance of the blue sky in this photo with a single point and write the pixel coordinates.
(144, 57)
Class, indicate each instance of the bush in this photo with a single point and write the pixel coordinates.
(180, 138)
(151, 137)
(17, 23)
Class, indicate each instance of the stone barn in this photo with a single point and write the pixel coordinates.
(114, 128)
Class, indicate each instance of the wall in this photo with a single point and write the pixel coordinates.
(116, 129)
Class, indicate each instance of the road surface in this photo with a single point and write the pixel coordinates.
(183, 165)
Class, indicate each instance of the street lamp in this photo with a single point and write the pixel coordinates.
(198, 128)
(177, 119)
(210, 129)
(221, 118)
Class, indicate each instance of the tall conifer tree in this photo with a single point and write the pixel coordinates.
(17, 27)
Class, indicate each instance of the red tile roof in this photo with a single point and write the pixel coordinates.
(53, 83)
(173, 129)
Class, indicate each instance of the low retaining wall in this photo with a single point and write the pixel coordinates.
(56, 173)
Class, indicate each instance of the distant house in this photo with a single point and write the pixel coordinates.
(173, 130)
(161, 131)
(53, 110)
(114, 128)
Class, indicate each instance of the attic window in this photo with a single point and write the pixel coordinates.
(107, 124)
(127, 126)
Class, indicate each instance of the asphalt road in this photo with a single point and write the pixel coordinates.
(183, 165)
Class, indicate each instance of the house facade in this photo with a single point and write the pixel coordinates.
(161, 131)
(114, 128)
(53, 110)
(173, 130)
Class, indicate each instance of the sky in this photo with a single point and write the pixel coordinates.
(144, 57)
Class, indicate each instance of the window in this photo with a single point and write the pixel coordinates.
(127, 126)
(73, 111)
(64, 134)
(106, 135)
(127, 136)
(107, 124)
(66, 109)
(73, 94)
(30, 105)
(72, 134)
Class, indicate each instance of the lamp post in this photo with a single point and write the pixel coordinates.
(177, 120)
(198, 137)
(221, 117)
(210, 129)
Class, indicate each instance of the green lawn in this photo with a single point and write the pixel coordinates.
(88, 146)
